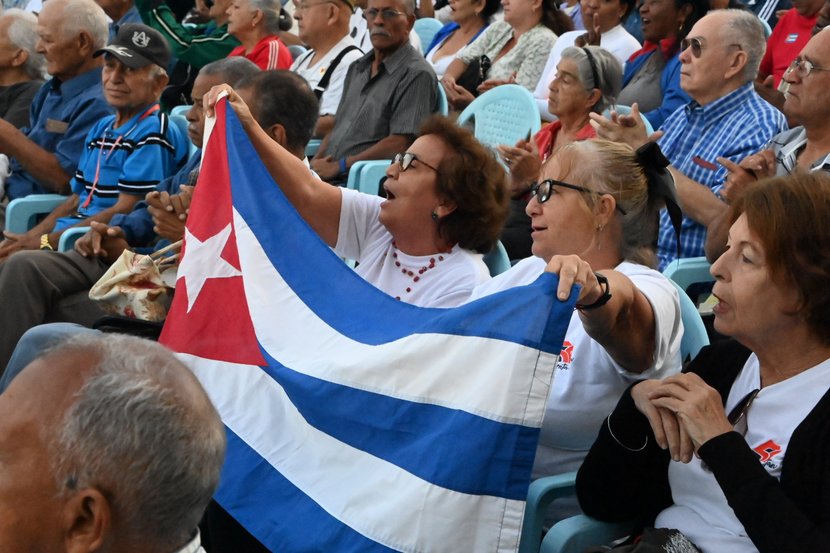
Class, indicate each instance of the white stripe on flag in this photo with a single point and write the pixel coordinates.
(350, 484)
(486, 367)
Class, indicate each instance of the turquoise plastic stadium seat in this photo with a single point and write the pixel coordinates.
(688, 271)
(540, 495)
(297, 51)
(694, 331)
(625, 110)
(312, 147)
(571, 535)
(69, 237)
(365, 175)
(426, 28)
(180, 121)
(443, 104)
(497, 260)
(22, 213)
(577, 533)
(180, 110)
(502, 115)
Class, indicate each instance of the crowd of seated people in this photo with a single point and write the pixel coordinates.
(741, 118)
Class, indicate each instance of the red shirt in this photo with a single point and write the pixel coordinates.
(269, 53)
(547, 136)
(785, 43)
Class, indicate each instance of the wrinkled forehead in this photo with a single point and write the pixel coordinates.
(399, 5)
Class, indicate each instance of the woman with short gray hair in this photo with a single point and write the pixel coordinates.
(587, 80)
(21, 68)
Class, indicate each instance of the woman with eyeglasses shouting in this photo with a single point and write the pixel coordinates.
(446, 202)
(595, 216)
(734, 454)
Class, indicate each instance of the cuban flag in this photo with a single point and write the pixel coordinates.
(355, 422)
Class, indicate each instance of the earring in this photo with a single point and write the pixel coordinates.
(600, 228)
(434, 216)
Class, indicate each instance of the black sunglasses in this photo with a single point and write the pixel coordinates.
(697, 46)
(545, 189)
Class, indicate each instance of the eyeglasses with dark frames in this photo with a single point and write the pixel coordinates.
(738, 413)
(387, 14)
(697, 46)
(543, 190)
(405, 160)
(802, 68)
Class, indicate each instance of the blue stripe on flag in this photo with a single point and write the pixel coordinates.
(447, 447)
(292, 521)
(518, 315)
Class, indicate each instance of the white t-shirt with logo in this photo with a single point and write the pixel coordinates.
(313, 73)
(587, 382)
(363, 238)
(700, 508)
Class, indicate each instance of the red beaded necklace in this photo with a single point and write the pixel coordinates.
(433, 261)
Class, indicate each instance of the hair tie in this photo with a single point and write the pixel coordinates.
(661, 183)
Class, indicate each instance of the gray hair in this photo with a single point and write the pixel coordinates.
(85, 15)
(232, 70)
(609, 71)
(22, 33)
(271, 12)
(745, 29)
(612, 168)
(135, 431)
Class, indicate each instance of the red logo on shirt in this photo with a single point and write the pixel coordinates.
(767, 450)
(566, 355)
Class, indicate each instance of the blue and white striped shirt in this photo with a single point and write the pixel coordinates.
(734, 126)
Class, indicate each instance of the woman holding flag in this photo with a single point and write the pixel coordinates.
(445, 206)
(594, 216)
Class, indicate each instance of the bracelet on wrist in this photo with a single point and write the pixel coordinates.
(622, 445)
(343, 167)
(603, 299)
(44, 242)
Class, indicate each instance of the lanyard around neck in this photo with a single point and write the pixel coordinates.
(151, 110)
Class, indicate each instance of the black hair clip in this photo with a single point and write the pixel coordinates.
(661, 183)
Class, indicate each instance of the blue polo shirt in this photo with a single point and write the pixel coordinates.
(61, 116)
(130, 159)
(734, 126)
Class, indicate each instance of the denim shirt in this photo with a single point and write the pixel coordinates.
(61, 116)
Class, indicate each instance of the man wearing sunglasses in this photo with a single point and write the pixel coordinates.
(725, 119)
(805, 147)
(386, 95)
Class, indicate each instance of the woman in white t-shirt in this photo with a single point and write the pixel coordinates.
(734, 454)
(594, 217)
(446, 201)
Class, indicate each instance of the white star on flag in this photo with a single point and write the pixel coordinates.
(204, 261)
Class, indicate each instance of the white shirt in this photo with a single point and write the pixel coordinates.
(193, 546)
(443, 63)
(313, 73)
(618, 41)
(587, 382)
(363, 238)
(700, 508)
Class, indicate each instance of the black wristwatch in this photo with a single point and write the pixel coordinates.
(603, 299)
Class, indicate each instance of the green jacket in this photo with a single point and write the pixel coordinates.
(198, 45)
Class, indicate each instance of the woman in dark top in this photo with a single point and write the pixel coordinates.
(652, 75)
(735, 453)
